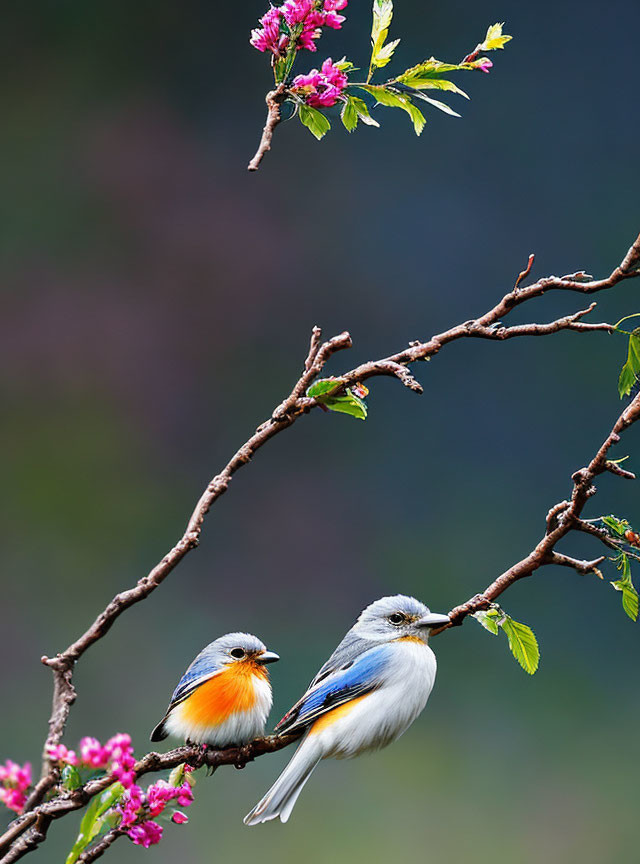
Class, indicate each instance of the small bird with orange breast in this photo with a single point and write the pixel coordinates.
(224, 697)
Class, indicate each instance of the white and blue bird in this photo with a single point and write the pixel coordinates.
(366, 695)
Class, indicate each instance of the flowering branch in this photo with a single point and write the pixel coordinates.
(298, 24)
(344, 393)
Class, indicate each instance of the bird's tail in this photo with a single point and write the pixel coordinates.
(280, 799)
(160, 733)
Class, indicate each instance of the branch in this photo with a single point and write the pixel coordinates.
(274, 100)
(32, 831)
(100, 848)
(191, 754)
(561, 520)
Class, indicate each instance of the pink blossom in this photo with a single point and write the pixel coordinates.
(14, 799)
(322, 89)
(269, 37)
(296, 11)
(15, 775)
(59, 753)
(123, 771)
(158, 796)
(185, 795)
(118, 746)
(130, 805)
(93, 754)
(179, 818)
(161, 793)
(15, 780)
(333, 20)
(307, 38)
(119, 751)
(484, 64)
(146, 834)
(311, 15)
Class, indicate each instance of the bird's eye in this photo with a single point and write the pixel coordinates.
(237, 653)
(396, 619)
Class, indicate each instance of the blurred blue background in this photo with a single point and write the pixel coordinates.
(157, 302)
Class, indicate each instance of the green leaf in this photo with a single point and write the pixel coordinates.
(522, 640)
(523, 644)
(631, 369)
(626, 586)
(495, 39)
(618, 526)
(430, 68)
(384, 55)
(176, 777)
(92, 822)
(362, 111)
(349, 115)
(345, 65)
(347, 404)
(394, 99)
(323, 386)
(489, 620)
(70, 778)
(630, 600)
(442, 106)
(434, 84)
(382, 15)
(314, 120)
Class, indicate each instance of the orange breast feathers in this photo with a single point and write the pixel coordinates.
(227, 692)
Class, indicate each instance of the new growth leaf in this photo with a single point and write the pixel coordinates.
(345, 402)
(522, 640)
(381, 54)
(630, 372)
(625, 584)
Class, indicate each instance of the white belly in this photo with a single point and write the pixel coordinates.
(382, 716)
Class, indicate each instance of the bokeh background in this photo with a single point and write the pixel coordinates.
(156, 304)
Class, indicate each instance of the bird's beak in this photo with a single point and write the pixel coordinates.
(433, 619)
(268, 657)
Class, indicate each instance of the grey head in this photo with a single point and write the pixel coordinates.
(235, 648)
(397, 617)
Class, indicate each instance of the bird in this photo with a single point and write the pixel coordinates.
(365, 696)
(224, 697)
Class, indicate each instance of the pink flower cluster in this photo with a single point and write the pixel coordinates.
(321, 89)
(136, 806)
(310, 15)
(15, 780)
(116, 753)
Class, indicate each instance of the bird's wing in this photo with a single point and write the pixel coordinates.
(196, 674)
(351, 647)
(199, 672)
(353, 678)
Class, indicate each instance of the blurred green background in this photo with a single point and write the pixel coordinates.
(157, 301)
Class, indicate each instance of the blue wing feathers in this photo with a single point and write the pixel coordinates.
(359, 677)
(199, 669)
(363, 672)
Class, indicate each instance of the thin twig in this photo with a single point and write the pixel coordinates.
(101, 847)
(560, 521)
(274, 100)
